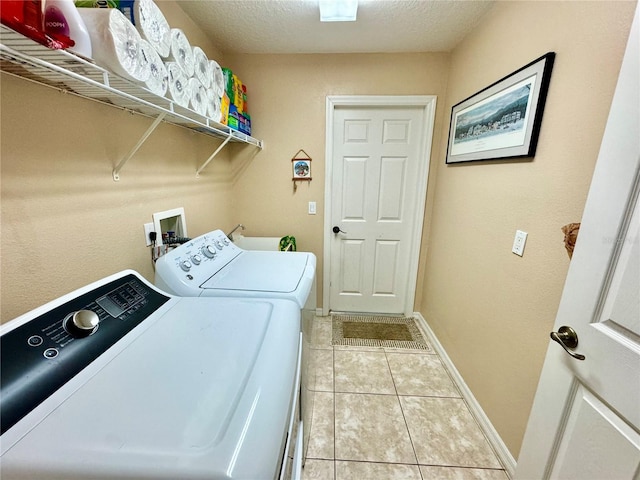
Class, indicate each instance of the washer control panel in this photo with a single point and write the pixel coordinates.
(191, 264)
(41, 355)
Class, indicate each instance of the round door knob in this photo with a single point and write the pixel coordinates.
(81, 323)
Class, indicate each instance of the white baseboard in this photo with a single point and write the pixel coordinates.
(501, 450)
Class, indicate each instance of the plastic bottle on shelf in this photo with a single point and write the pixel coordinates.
(25, 17)
(61, 18)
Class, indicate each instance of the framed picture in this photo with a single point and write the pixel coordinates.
(301, 168)
(503, 120)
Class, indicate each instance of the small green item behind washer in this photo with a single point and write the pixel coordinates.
(288, 244)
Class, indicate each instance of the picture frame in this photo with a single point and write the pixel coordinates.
(503, 120)
(301, 168)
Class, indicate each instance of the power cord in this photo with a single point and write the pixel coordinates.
(173, 242)
(152, 237)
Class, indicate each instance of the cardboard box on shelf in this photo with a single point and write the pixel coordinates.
(239, 121)
(245, 124)
(224, 109)
(234, 118)
(228, 84)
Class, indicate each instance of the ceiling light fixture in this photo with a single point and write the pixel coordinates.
(338, 10)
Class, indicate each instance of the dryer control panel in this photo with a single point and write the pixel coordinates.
(41, 355)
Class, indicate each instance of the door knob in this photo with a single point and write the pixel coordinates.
(567, 338)
(336, 230)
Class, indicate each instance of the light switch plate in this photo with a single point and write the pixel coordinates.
(518, 242)
(312, 208)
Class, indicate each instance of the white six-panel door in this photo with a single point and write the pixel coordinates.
(585, 421)
(377, 184)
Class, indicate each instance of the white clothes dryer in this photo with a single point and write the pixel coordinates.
(119, 380)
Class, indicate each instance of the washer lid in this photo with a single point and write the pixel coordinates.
(261, 271)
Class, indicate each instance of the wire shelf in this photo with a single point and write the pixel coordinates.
(25, 58)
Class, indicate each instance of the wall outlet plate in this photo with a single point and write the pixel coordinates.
(518, 242)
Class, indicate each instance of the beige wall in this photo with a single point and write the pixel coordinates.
(65, 222)
(287, 103)
(491, 309)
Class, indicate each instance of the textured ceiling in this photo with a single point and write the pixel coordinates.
(293, 26)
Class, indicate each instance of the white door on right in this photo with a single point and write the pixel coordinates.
(585, 421)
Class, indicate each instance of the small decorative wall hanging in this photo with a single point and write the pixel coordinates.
(503, 120)
(301, 164)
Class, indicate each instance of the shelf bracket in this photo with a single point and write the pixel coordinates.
(213, 155)
(127, 157)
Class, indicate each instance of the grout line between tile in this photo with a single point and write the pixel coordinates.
(406, 424)
(335, 416)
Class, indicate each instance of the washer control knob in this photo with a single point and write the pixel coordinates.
(209, 251)
(225, 240)
(81, 323)
(185, 265)
(218, 244)
(196, 259)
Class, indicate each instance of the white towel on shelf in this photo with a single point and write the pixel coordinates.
(202, 67)
(217, 78)
(152, 26)
(179, 90)
(198, 100)
(115, 43)
(213, 105)
(182, 52)
(158, 80)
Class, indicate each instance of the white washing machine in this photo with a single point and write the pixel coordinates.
(118, 380)
(212, 266)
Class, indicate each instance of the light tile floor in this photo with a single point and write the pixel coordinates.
(389, 413)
